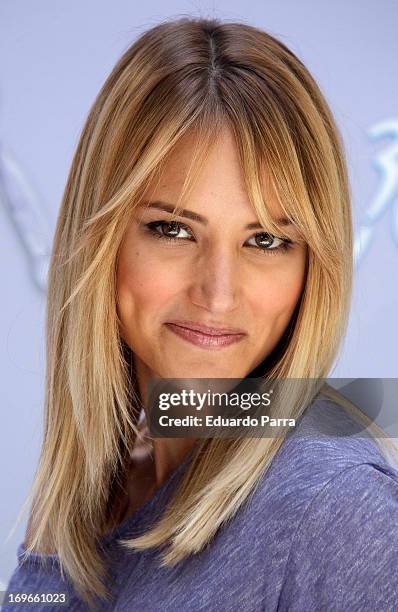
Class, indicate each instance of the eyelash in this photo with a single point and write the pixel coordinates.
(150, 227)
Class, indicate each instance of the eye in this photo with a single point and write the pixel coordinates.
(269, 244)
(264, 242)
(169, 230)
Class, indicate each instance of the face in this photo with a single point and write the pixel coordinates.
(207, 269)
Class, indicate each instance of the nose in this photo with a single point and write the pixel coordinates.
(215, 280)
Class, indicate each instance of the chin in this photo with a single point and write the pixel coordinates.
(206, 372)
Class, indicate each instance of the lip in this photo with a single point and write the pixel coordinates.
(205, 340)
(206, 329)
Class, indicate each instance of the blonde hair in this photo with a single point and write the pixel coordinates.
(182, 76)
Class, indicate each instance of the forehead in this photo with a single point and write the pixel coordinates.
(219, 184)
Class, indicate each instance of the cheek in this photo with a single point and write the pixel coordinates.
(280, 292)
(143, 284)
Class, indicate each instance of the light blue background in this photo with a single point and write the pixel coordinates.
(55, 56)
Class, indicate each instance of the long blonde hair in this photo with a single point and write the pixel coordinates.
(185, 75)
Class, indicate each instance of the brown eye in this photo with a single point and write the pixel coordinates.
(171, 229)
(269, 244)
(264, 239)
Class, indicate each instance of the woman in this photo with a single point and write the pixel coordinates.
(205, 232)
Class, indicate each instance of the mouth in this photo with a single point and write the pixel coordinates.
(206, 337)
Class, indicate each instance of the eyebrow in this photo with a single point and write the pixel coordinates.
(284, 221)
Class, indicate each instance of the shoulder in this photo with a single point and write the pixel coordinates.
(339, 495)
(311, 460)
(327, 440)
(345, 549)
(35, 573)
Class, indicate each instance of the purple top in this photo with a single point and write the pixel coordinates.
(320, 532)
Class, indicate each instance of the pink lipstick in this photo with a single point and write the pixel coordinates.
(206, 337)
